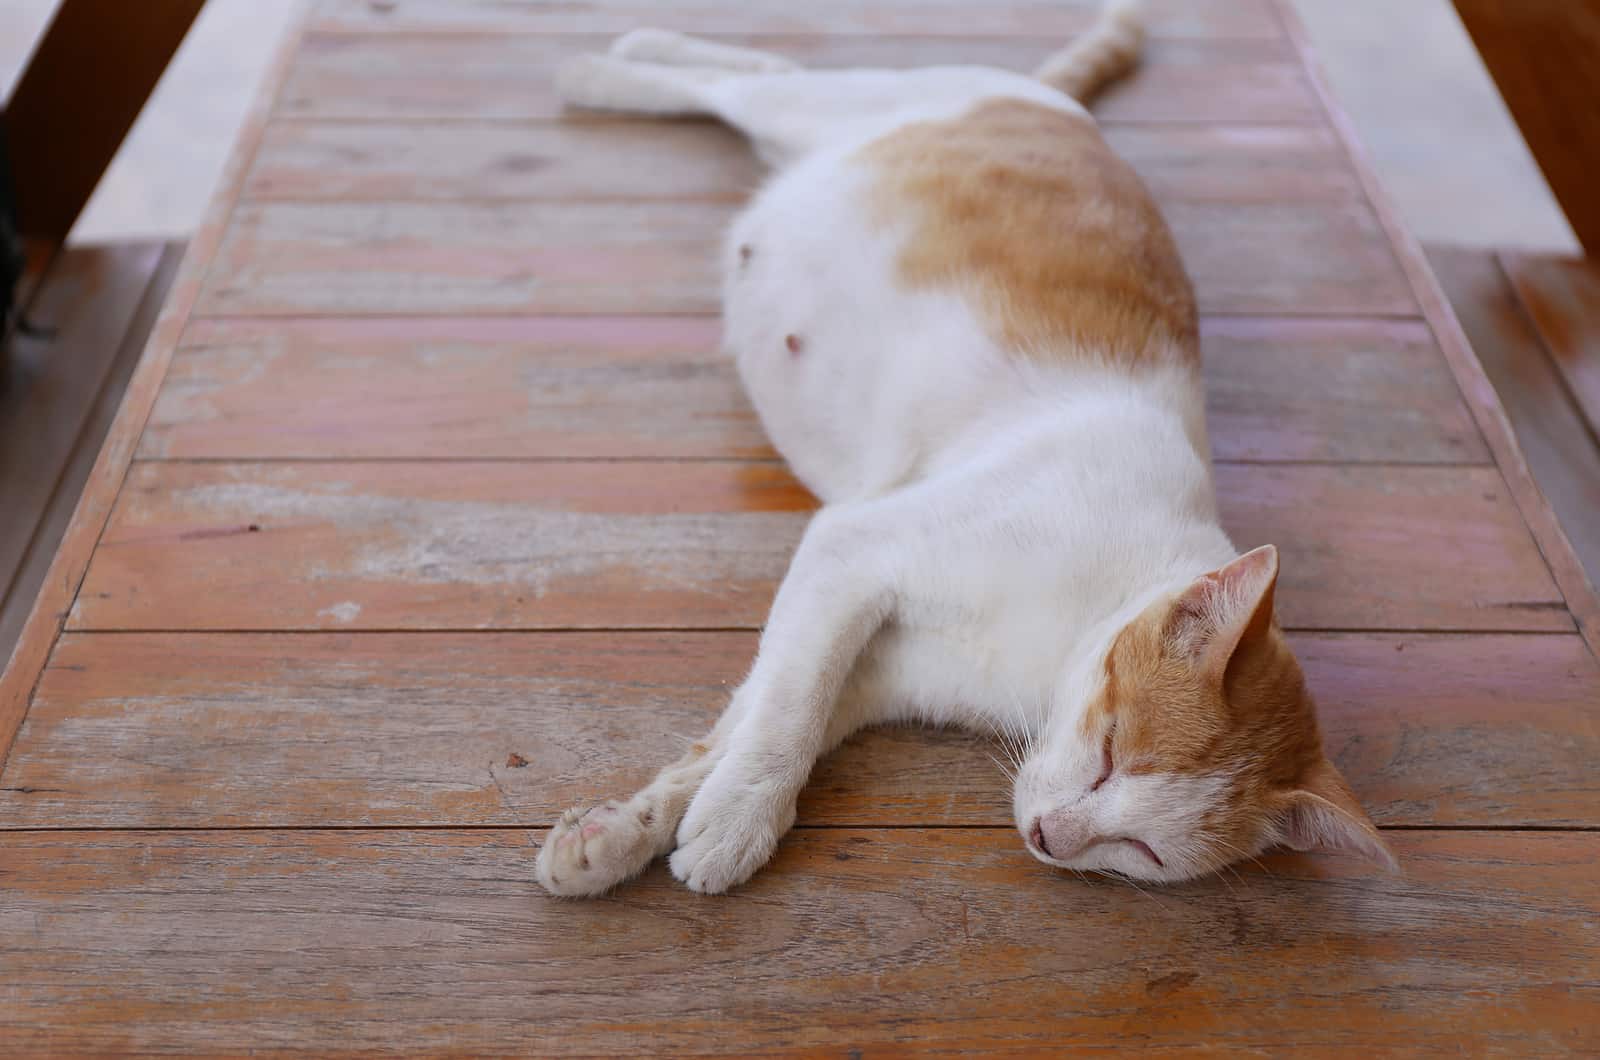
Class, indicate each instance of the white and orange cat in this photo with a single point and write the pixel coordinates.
(965, 325)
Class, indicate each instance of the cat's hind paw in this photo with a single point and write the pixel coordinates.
(677, 49)
(588, 852)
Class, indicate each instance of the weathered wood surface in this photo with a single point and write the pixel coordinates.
(1516, 356)
(89, 299)
(949, 939)
(460, 388)
(71, 560)
(1582, 600)
(479, 76)
(699, 161)
(1057, 18)
(1279, 389)
(1562, 296)
(283, 730)
(408, 502)
(640, 256)
(445, 545)
(96, 411)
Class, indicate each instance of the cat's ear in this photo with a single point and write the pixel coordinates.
(1322, 814)
(1225, 609)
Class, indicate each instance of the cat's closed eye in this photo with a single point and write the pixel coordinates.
(1108, 764)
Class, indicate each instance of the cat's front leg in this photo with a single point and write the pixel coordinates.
(838, 593)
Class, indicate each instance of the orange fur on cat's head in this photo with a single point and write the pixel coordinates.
(1201, 747)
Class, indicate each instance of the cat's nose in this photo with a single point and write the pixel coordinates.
(1060, 835)
(1036, 837)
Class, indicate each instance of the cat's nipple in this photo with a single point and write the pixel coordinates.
(795, 344)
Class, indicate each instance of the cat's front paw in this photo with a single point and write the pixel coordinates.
(588, 852)
(732, 828)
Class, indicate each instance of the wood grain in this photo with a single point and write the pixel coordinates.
(655, 160)
(478, 387)
(1279, 389)
(95, 421)
(648, 545)
(1333, 390)
(105, 479)
(444, 545)
(1562, 296)
(285, 730)
(457, 258)
(87, 302)
(1055, 18)
(479, 76)
(865, 940)
(1393, 547)
(1560, 447)
(325, 161)
(1582, 601)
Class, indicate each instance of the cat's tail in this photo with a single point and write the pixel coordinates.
(1108, 51)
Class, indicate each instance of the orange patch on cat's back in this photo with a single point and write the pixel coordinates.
(1025, 207)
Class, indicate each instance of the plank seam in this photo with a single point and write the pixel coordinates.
(1476, 391)
(765, 461)
(820, 827)
(575, 314)
(315, 29)
(157, 249)
(318, 631)
(45, 622)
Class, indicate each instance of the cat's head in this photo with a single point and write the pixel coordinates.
(1199, 748)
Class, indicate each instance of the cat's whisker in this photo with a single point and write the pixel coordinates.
(1003, 768)
(1242, 853)
(1131, 882)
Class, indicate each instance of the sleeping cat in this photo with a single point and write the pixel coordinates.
(965, 325)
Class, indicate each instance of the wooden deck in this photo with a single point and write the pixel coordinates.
(432, 510)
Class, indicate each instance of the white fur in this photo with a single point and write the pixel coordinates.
(990, 523)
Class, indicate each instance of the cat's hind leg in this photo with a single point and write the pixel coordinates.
(611, 82)
(669, 48)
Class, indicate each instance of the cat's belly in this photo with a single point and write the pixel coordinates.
(969, 677)
(857, 380)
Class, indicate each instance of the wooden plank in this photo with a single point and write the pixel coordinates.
(540, 387)
(493, 76)
(1055, 18)
(584, 161)
(87, 303)
(1332, 390)
(1580, 597)
(449, 258)
(1561, 451)
(592, 387)
(450, 545)
(100, 411)
(326, 161)
(1385, 547)
(445, 545)
(1544, 56)
(94, 507)
(352, 258)
(512, 729)
(850, 940)
(1562, 296)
